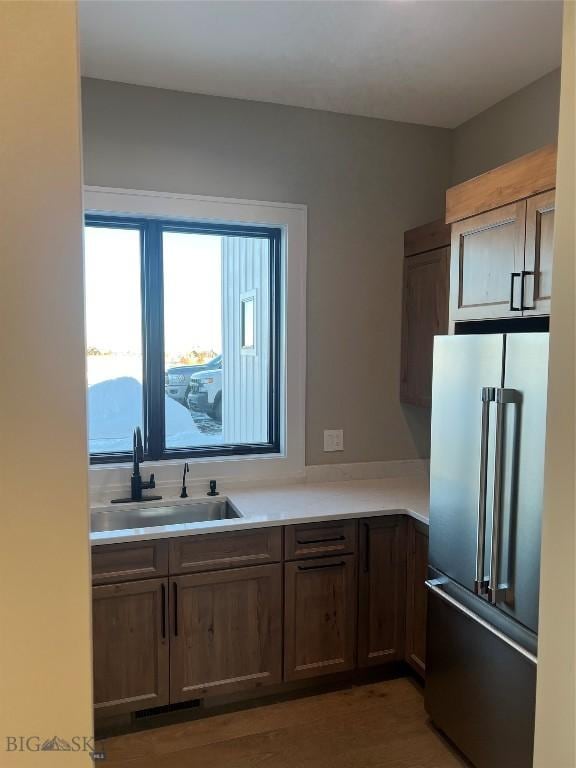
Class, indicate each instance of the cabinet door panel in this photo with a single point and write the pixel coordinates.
(382, 590)
(226, 631)
(486, 251)
(320, 617)
(424, 315)
(416, 598)
(539, 251)
(130, 646)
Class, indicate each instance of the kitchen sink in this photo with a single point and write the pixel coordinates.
(119, 519)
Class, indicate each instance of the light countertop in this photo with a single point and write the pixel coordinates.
(294, 503)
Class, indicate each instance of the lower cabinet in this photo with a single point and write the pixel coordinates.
(382, 590)
(319, 617)
(226, 631)
(416, 602)
(186, 634)
(130, 639)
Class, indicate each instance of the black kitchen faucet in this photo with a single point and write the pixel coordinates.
(137, 485)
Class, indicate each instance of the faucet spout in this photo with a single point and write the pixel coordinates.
(137, 451)
(137, 485)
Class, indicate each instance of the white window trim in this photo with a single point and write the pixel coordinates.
(292, 219)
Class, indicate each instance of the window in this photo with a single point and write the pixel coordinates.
(247, 320)
(183, 334)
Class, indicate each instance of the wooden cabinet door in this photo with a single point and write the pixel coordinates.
(130, 638)
(424, 315)
(487, 250)
(416, 598)
(226, 631)
(382, 590)
(320, 617)
(538, 255)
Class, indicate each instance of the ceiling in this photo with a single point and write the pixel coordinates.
(435, 62)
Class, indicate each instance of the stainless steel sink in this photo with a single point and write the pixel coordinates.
(119, 519)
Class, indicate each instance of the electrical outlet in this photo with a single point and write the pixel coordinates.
(333, 440)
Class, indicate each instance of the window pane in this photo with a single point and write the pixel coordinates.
(247, 305)
(216, 393)
(113, 337)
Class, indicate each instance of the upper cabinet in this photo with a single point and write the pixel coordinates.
(487, 262)
(538, 253)
(502, 236)
(424, 307)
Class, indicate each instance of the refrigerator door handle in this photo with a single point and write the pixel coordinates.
(434, 586)
(480, 581)
(497, 591)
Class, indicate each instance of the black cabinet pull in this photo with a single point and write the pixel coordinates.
(321, 567)
(525, 274)
(175, 593)
(513, 276)
(366, 548)
(320, 541)
(163, 591)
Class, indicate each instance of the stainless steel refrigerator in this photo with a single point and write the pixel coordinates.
(486, 493)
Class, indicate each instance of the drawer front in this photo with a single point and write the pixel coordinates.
(129, 562)
(316, 539)
(214, 551)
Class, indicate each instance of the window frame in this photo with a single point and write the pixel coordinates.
(151, 230)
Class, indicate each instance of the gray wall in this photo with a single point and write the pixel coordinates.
(365, 181)
(523, 122)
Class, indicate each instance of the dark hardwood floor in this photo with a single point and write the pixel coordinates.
(378, 725)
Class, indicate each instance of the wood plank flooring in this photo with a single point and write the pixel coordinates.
(379, 725)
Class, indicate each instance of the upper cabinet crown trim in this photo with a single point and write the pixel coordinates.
(427, 237)
(528, 175)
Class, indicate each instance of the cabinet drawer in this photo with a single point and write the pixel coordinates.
(214, 551)
(316, 539)
(129, 562)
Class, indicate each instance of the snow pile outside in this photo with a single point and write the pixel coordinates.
(115, 408)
